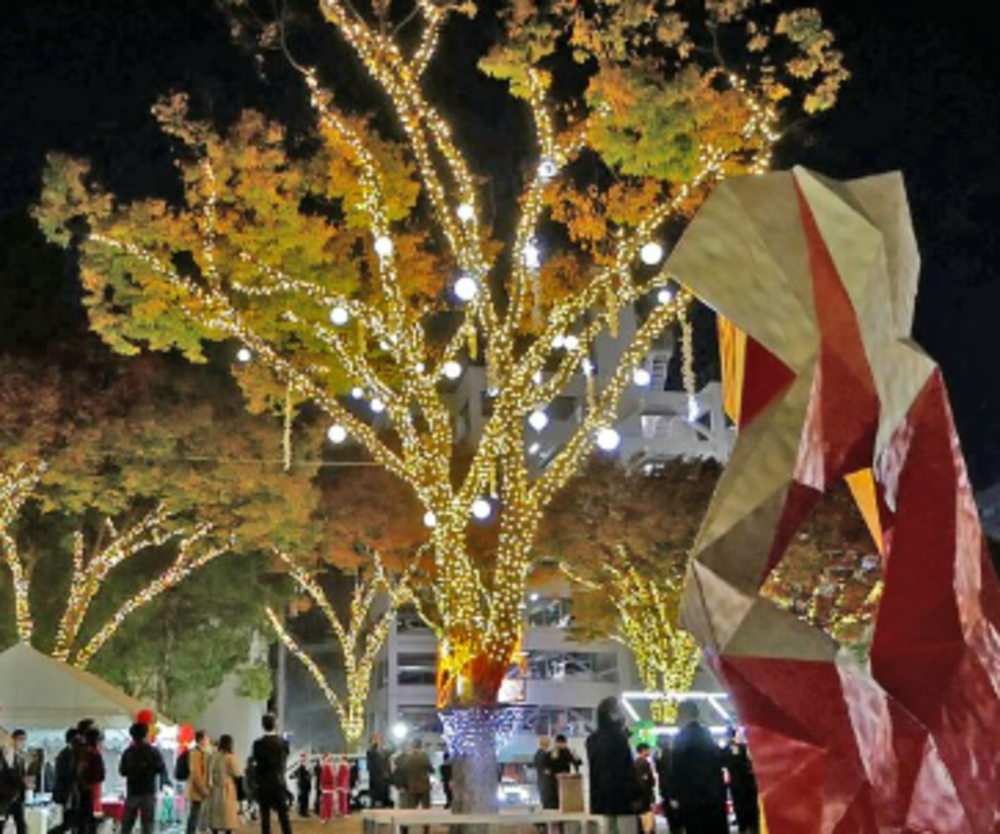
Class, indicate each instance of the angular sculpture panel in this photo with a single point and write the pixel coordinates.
(818, 280)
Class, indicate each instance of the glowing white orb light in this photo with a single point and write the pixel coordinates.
(466, 288)
(532, 255)
(547, 168)
(665, 296)
(339, 316)
(451, 369)
(642, 377)
(430, 520)
(538, 420)
(400, 731)
(559, 342)
(357, 393)
(651, 253)
(378, 406)
(608, 439)
(244, 355)
(482, 509)
(571, 343)
(336, 434)
(694, 410)
(466, 212)
(383, 246)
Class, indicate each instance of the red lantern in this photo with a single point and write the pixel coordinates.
(185, 735)
(147, 717)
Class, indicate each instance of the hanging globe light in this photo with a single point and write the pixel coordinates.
(665, 296)
(336, 434)
(608, 439)
(651, 253)
(482, 509)
(538, 420)
(378, 406)
(339, 315)
(642, 377)
(430, 520)
(466, 288)
(357, 392)
(451, 369)
(466, 212)
(383, 246)
(547, 168)
(244, 355)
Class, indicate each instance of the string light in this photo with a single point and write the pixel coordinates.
(571, 342)
(559, 342)
(383, 246)
(547, 169)
(430, 519)
(532, 255)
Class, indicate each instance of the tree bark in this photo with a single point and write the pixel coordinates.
(471, 734)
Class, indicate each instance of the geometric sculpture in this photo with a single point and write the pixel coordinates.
(817, 282)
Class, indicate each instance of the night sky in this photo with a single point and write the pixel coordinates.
(80, 76)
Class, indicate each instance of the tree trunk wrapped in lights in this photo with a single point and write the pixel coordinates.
(16, 487)
(327, 309)
(360, 640)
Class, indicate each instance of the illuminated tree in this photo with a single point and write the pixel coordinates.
(392, 283)
(360, 637)
(623, 539)
(16, 486)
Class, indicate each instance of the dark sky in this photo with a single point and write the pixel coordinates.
(80, 76)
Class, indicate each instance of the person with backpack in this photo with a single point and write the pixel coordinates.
(197, 782)
(143, 768)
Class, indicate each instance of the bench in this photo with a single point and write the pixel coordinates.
(398, 819)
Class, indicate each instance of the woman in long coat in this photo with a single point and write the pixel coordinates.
(614, 786)
(327, 789)
(222, 809)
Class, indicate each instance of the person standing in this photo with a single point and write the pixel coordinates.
(548, 794)
(379, 773)
(446, 771)
(327, 789)
(14, 781)
(697, 784)
(197, 781)
(222, 808)
(614, 788)
(562, 762)
(143, 767)
(64, 792)
(303, 783)
(663, 755)
(647, 785)
(343, 788)
(90, 780)
(270, 755)
(742, 782)
(417, 777)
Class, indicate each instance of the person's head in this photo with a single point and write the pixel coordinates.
(544, 743)
(326, 758)
(643, 750)
(83, 725)
(687, 712)
(561, 741)
(609, 714)
(72, 734)
(93, 737)
(376, 739)
(269, 723)
(225, 744)
(303, 757)
(200, 739)
(138, 732)
(19, 739)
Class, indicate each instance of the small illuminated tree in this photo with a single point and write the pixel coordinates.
(662, 117)
(360, 636)
(16, 487)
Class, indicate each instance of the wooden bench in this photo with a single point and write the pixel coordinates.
(398, 819)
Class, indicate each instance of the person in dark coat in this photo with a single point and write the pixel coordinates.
(562, 761)
(697, 784)
(303, 783)
(614, 788)
(647, 784)
(144, 770)
(742, 782)
(379, 768)
(64, 791)
(14, 774)
(663, 754)
(548, 794)
(270, 754)
(446, 771)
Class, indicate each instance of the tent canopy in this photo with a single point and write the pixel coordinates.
(39, 692)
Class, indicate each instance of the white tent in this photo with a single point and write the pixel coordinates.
(41, 693)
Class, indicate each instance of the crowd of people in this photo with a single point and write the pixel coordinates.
(694, 776)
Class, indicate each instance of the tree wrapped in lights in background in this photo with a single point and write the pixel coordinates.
(366, 280)
(360, 637)
(623, 538)
(16, 487)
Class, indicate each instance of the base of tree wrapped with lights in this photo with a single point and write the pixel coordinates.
(474, 736)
